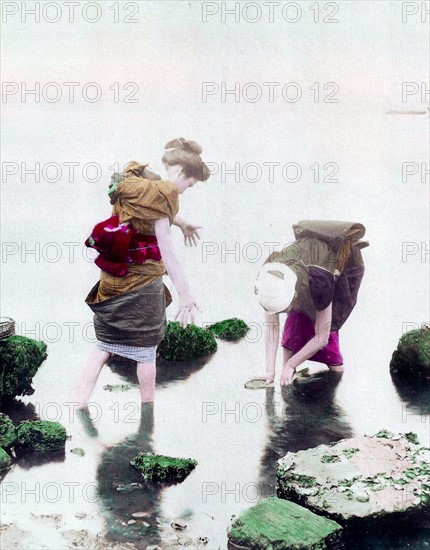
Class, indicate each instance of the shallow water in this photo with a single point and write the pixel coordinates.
(202, 411)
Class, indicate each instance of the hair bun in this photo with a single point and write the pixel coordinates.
(186, 153)
(186, 144)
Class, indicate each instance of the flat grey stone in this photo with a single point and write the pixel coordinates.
(360, 479)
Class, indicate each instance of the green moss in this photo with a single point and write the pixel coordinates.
(349, 482)
(181, 343)
(20, 359)
(349, 453)
(41, 435)
(277, 524)
(117, 387)
(230, 329)
(5, 460)
(425, 494)
(385, 434)
(163, 468)
(7, 432)
(412, 438)
(304, 481)
(412, 356)
(330, 458)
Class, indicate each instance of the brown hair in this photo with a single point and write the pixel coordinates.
(186, 153)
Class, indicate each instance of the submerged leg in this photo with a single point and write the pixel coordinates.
(146, 373)
(89, 376)
(336, 368)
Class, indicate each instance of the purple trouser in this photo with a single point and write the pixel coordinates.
(299, 329)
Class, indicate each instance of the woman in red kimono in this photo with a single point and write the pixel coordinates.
(136, 248)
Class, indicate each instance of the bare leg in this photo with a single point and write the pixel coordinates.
(269, 375)
(146, 373)
(89, 376)
(336, 368)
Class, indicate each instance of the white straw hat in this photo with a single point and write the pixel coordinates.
(275, 286)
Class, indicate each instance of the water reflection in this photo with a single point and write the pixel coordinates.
(414, 393)
(394, 540)
(115, 470)
(308, 416)
(167, 371)
(19, 411)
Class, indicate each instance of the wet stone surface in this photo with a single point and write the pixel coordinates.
(278, 524)
(367, 478)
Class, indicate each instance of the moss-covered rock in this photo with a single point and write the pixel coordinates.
(276, 524)
(229, 329)
(41, 435)
(20, 359)
(163, 468)
(362, 481)
(181, 343)
(412, 356)
(7, 432)
(5, 460)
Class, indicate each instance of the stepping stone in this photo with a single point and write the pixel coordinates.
(41, 435)
(276, 524)
(411, 359)
(117, 387)
(256, 384)
(163, 468)
(139, 515)
(230, 329)
(360, 480)
(301, 375)
(78, 451)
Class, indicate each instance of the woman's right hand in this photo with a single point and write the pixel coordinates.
(187, 308)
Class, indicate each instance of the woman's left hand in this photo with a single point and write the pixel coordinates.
(190, 232)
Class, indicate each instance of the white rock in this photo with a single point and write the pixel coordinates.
(361, 496)
(139, 515)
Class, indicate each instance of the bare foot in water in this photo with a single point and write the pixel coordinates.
(287, 375)
(336, 368)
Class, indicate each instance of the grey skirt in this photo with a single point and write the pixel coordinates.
(134, 318)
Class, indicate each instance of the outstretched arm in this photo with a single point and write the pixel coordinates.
(189, 230)
(174, 269)
(322, 333)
